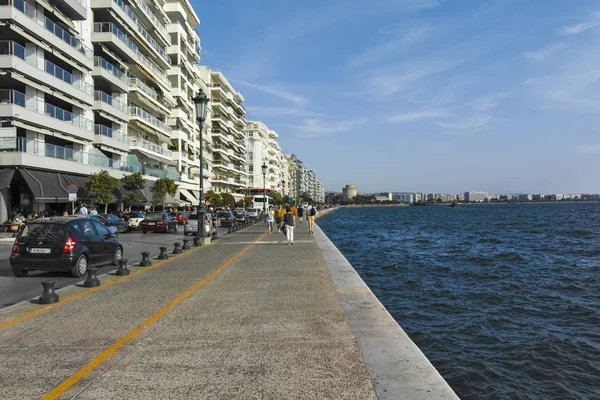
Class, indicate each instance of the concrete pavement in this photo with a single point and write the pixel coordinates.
(247, 317)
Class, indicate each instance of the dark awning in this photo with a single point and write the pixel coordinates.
(6, 176)
(46, 186)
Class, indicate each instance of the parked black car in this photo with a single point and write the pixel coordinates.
(119, 223)
(225, 218)
(64, 244)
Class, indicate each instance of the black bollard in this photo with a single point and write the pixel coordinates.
(163, 253)
(186, 244)
(230, 229)
(123, 270)
(214, 235)
(197, 241)
(177, 250)
(49, 296)
(145, 259)
(91, 280)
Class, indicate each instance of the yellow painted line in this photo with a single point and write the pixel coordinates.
(132, 334)
(24, 317)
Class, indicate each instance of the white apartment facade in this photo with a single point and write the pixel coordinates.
(262, 147)
(227, 121)
(91, 85)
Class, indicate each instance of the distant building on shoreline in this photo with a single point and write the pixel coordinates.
(476, 197)
(349, 191)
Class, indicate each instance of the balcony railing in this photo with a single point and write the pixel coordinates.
(123, 6)
(108, 99)
(155, 69)
(22, 145)
(9, 96)
(13, 48)
(161, 173)
(136, 111)
(101, 62)
(32, 13)
(110, 132)
(139, 142)
(144, 88)
(142, 4)
(112, 28)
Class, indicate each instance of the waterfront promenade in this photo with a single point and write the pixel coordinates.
(246, 317)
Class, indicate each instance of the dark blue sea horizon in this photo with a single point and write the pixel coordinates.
(504, 300)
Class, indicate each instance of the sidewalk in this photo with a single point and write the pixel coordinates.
(245, 318)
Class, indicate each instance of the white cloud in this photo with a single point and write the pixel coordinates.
(589, 149)
(319, 127)
(281, 112)
(469, 123)
(578, 28)
(488, 102)
(544, 52)
(418, 115)
(390, 48)
(274, 90)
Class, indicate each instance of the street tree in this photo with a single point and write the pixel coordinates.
(160, 189)
(228, 199)
(305, 197)
(100, 187)
(133, 183)
(277, 198)
(214, 198)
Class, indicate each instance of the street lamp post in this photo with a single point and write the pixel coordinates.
(264, 171)
(283, 184)
(200, 103)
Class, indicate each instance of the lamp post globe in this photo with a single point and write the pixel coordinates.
(264, 171)
(200, 105)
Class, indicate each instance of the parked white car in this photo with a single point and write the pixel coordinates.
(191, 226)
(134, 219)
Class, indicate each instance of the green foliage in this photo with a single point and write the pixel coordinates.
(133, 183)
(241, 203)
(214, 198)
(277, 198)
(160, 189)
(247, 201)
(100, 187)
(228, 199)
(306, 198)
(286, 199)
(364, 199)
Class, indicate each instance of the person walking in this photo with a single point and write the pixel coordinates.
(311, 211)
(270, 219)
(83, 210)
(279, 214)
(300, 213)
(290, 224)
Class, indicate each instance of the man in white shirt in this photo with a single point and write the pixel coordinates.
(93, 212)
(83, 210)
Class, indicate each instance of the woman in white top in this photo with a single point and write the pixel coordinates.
(270, 219)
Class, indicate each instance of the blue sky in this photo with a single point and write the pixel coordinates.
(420, 95)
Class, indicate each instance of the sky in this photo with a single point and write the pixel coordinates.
(440, 96)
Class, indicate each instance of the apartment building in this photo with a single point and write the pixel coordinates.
(262, 148)
(227, 121)
(92, 85)
(185, 79)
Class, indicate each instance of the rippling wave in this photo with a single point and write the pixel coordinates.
(503, 299)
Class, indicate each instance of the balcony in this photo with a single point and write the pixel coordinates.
(110, 73)
(25, 62)
(159, 73)
(81, 158)
(161, 173)
(60, 38)
(108, 104)
(150, 94)
(150, 120)
(222, 179)
(150, 148)
(152, 20)
(111, 35)
(17, 105)
(105, 135)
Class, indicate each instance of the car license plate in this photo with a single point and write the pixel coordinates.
(39, 250)
(151, 223)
